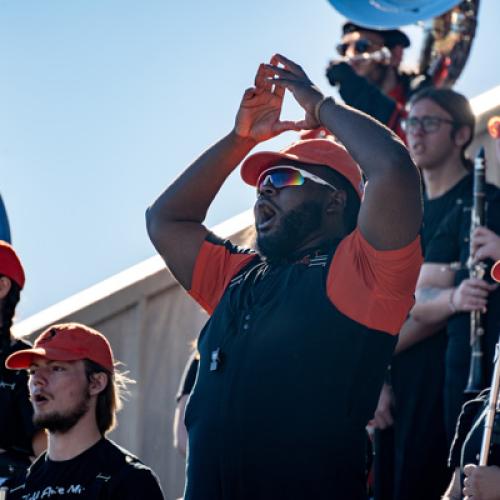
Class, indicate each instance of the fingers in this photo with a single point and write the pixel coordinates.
(284, 126)
(288, 63)
(472, 295)
(261, 78)
(469, 469)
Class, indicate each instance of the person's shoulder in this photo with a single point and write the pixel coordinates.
(128, 459)
(133, 476)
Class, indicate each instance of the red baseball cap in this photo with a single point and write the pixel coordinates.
(10, 265)
(325, 151)
(66, 342)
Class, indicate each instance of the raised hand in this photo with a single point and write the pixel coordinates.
(292, 77)
(258, 117)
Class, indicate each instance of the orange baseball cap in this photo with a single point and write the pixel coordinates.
(66, 342)
(325, 151)
(10, 265)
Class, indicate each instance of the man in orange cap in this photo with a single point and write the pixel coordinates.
(75, 391)
(19, 438)
(301, 332)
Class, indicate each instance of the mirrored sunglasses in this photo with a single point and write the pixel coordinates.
(286, 176)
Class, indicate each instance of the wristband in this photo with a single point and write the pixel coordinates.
(318, 106)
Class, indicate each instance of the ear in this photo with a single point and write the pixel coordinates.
(336, 202)
(98, 383)
(5, 286)
(462, 135)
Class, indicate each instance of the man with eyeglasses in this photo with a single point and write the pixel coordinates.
(368, 76)
(294, 354)
(439, 127)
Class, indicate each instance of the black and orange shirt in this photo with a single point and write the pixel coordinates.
(291, 365)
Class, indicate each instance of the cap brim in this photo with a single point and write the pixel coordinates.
(254, 165)
(23, 359)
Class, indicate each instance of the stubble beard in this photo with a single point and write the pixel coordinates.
(293, 230)
(62, 422)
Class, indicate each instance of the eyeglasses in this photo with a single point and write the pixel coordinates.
(428, 124)
(286, 176)
(360, 46)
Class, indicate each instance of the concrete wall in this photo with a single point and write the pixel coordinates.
(152, 324)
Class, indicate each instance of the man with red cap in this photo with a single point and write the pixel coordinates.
(19, 438)
(301, 332)
(76, 392)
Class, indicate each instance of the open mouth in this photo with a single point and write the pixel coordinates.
(39, 399)
(264, 216)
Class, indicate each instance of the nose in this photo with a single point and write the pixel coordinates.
(37, 378)
(350, 50)
(266, 189)
(416, 130)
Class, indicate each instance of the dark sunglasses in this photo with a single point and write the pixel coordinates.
(360, 46)
(286, 176)
(428, 124)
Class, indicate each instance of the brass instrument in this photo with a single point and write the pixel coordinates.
(476, 381)
(449, 29)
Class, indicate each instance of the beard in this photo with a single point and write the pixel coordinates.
(63, 422)
(292, 231)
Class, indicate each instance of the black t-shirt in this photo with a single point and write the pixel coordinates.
(104, 471)
(451, 245)
(16, 412)
(436, 209)
(291, 368)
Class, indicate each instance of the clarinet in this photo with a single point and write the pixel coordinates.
(476, 381)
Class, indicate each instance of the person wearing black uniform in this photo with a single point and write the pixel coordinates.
(453, 295)
(295, 351)
(378, 88)
(470, 480)
(19, 438)
(411, 438)
(75, 391)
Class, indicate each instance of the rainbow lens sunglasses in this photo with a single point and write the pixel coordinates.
(286, 176)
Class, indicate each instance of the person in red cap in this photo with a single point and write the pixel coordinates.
(19, 438)
(76, 392)
(295, 351)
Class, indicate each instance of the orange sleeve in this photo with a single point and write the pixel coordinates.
(216, 264)
(374, 287)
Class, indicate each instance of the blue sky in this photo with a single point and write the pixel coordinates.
(103, 102)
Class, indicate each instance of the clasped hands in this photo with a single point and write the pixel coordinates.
(258, 117)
